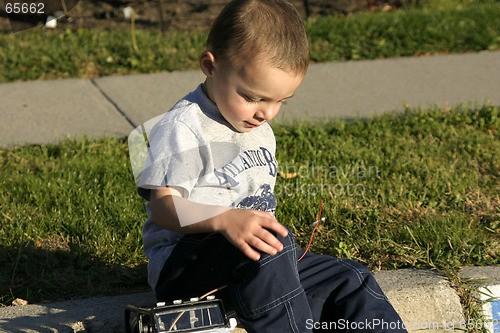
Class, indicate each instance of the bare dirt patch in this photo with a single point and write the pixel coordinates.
(177, 14)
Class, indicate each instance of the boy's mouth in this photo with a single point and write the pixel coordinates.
(251, 125)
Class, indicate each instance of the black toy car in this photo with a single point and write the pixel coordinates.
(206, 316)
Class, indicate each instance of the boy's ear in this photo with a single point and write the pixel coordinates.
(207, 63)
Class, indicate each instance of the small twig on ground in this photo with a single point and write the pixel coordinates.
(134, 39)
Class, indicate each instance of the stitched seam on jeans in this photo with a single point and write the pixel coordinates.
(271, 259)
(365, 286)
(291, 317)
(359, 274)
(251, 313)
(267, 307)
(292, 246)
(239, 298)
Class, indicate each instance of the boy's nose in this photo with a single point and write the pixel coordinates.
(268, 112)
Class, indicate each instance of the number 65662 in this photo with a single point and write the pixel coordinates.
(24, 8)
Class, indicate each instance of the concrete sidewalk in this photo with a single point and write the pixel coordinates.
(425, 300)
(48, 111)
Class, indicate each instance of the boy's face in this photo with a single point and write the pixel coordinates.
(252, 95)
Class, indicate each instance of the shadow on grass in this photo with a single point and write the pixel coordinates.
(37, 274)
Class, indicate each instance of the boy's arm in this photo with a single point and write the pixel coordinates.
(244, 228)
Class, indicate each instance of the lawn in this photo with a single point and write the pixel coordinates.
(418, 189)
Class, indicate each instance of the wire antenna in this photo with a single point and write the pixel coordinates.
(312, 235)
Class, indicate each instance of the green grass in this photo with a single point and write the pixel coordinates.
(70, 221)
(417, 31)
(418, 190)
(33, 55)
(424, 193)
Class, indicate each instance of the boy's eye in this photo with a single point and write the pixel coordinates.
(250, 99)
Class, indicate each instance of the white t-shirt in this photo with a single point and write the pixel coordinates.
(193, 147)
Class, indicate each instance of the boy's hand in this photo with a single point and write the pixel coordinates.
(247, 230)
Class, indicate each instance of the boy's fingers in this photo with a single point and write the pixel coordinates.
(278, 227)
(270, 244)
(249, 252)
(282, 230)
(266, 246)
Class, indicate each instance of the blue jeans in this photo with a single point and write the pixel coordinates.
(278, 294)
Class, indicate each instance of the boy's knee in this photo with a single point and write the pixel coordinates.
(283, 262)
(289, 251)
(357, 277)
(289, 240)
(356, 270)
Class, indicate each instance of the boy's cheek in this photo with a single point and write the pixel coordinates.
(238, 110)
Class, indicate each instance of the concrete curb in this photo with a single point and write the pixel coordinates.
(425, 300)
(101, 314)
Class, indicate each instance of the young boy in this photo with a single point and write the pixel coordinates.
(209, 180)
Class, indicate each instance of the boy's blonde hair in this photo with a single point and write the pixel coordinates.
(270, 28)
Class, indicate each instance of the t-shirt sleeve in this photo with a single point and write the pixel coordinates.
(174, 159)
